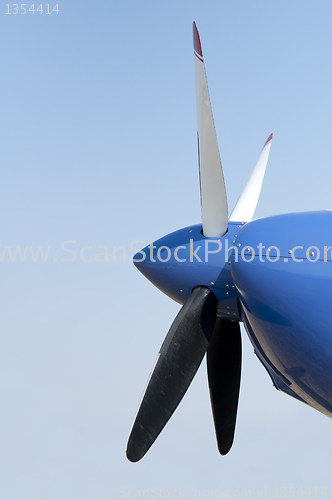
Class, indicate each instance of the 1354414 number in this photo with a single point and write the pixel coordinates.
(23, 9)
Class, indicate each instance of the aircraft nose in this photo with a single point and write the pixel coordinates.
(185, 259)
(176, 263)
(167, 269)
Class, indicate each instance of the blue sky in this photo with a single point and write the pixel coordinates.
(99, 148)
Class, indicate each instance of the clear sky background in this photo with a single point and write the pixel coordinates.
(98, 146)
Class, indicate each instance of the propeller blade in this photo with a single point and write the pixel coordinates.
(178, 360)
(245, 208)
(212, 185)
(224, 373)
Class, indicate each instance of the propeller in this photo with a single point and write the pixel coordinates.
(178, 360)
(196, 329)
(224, 374)
(245, 208)
(212, 185)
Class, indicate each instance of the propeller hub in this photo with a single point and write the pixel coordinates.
(184, 259)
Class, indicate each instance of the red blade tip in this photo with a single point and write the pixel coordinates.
(268, 139)
(197, 41)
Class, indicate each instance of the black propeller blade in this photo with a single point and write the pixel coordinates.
(224, 373)
(179, 358)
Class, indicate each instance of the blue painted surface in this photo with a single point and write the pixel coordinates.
(288, 231)
(199, 267)
(284, 304)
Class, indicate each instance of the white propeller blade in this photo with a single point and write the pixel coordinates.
(213, 193)
(245, 208)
